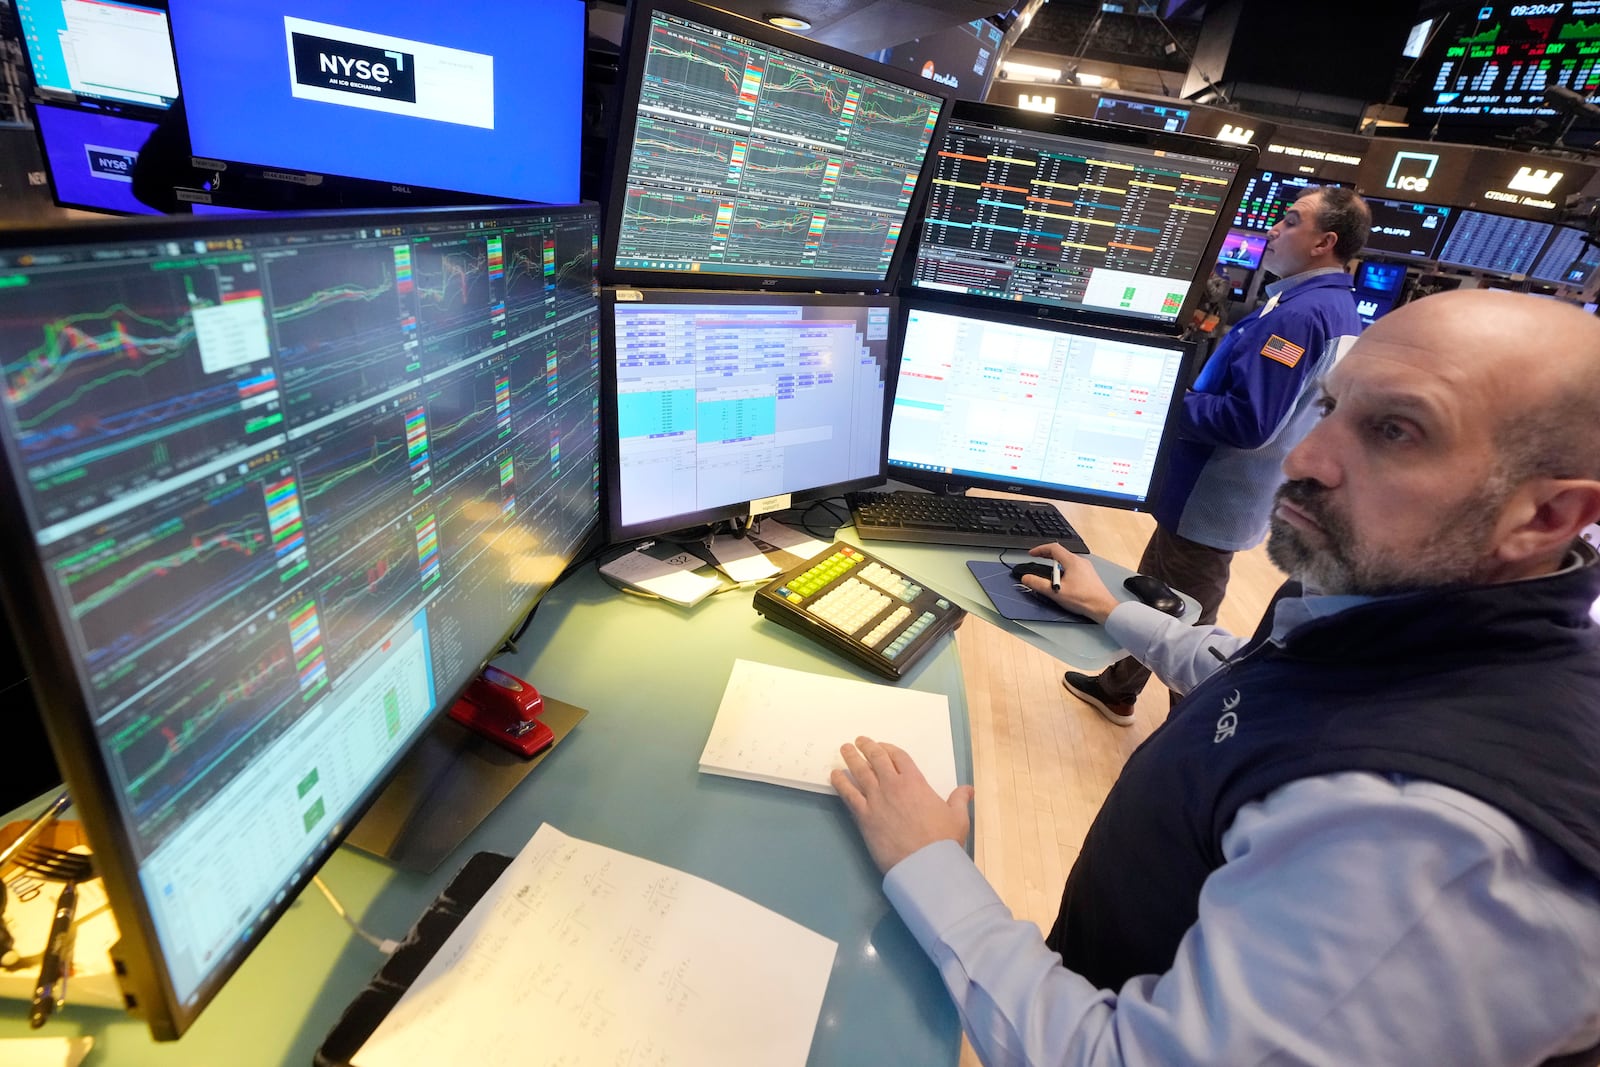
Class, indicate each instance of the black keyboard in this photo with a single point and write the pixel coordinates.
(960, 520)
(861, 608)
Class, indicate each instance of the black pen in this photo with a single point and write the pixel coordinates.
(51, 991)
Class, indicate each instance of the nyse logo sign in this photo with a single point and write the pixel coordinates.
(113, 164)
(325, 63)
(1412, 171)
(1540, 182)
(1236, 134)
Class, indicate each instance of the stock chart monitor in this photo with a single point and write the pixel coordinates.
(1267, 195)
(1076, 215)
(1498, 244)
(1494, 64)
(276, 488)
(744, 152)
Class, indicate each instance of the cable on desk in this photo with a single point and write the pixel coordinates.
(384, 945)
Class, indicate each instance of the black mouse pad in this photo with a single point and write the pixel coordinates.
(1013, 600)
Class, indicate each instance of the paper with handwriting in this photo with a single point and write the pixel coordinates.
(583, 956)
(785, 727)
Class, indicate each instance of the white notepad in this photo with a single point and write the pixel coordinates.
(589, 957)
(785, 727)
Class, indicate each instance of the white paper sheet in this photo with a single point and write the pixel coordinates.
(673, 579)
(785, 727)
(584, 956)
(44, 1051)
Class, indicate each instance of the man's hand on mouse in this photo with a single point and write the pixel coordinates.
(1082, 590)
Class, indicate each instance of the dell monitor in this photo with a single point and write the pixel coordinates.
(101, 50)
(746, 156)
(1404, 228)
(718, 400)
(1073, 217)
(1497, 244)
(275, 488)
(89, 157)
(1061, 410)
(1242, 249)
(479, 99)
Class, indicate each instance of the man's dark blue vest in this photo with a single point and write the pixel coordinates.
(1494, 691)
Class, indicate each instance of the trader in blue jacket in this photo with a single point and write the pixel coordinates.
(1251, 404)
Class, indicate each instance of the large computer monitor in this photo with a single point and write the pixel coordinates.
(1569, 259)
(1075, 216)
(89, 157)
(744, 155)
(1403, 228)
(715, 400)
(274, 490)
(1498, 244)
(99, 50)
(1008, 402)
(483, 99)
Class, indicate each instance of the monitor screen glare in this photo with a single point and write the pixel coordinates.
(1064, 411)
(100, 49)
(1065, 221)
(727, 400)
(749, 159)
(473, 98)
(282, 487)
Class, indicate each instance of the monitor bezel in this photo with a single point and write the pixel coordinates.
(946, 483)
(617, 531)
(619, 150)
(1244, 157)
(34, 107)
(64, 706)
(325, 190)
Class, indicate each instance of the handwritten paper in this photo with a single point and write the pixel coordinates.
(785, 727)
(583, 956)
(671, 579)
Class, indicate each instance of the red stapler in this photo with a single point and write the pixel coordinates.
(505, 709)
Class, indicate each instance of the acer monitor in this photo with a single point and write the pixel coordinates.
(89, 157)
(1006, 401)
(1404, 228)
(275, 488)
(714, 401)
(99, 50)
(477, 99)
(1074, 217)
(746, 156)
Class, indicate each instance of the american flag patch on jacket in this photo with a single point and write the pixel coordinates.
(1286, 352)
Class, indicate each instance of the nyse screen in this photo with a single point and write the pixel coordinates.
(1501, 58)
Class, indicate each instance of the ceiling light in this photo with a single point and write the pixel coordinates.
(789, 22)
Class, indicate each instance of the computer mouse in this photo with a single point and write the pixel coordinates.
(1156, 593)
(1042, 570)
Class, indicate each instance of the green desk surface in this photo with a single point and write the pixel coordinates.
(651, 676)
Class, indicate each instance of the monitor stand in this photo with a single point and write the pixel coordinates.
(448, 783)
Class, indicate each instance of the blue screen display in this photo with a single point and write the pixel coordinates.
(475, 98)
(91, 158)
(1381, 277)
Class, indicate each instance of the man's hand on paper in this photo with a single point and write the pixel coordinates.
(893, 805)
(1082, 590)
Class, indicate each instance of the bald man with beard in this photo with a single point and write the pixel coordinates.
(1370, 833)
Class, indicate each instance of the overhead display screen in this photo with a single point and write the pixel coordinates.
(1494, 243)
(1267, 195)
(1495, 67)
(1401, 228)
